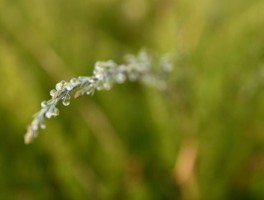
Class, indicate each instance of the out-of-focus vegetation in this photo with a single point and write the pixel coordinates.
(202, 139)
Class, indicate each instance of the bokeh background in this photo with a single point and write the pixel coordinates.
(203, 139)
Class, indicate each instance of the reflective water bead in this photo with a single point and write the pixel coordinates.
(107, 86)
(74, 81)
(48, 114)
(99, 76)
(85, 79)
(44, 104)
(90, 91)
(66, 102)
(99, 70)
(91, 80)
(69, 86)
(43, 126)
(60, 85)
(120, 78)
(53, 92)
(100, 87)
(111, 64)
(99, 66)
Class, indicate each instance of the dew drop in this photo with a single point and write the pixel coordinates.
(90, 92)
(120, 78)
(60, 85)
(44, 104)
(43, 126)
(100, 87)
(86, 79)
(66, 102)
(107, 86)
(69, 86)
(74, 81)
(99, 76)
(53, 92)
(48, 114)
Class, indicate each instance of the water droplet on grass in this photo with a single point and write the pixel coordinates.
(107, 86)
(44, 104)
(66, 102)
(69, 86)
(48, 114)
(43, 126)
(53, 92)
(60, 85)
(120, 78)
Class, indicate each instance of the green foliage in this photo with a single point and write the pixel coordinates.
(201, 139)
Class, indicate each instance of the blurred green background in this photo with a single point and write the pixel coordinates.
(201, 140)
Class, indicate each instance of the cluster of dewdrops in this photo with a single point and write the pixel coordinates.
(137, 68)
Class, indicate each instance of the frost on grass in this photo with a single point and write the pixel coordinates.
(142, 67)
